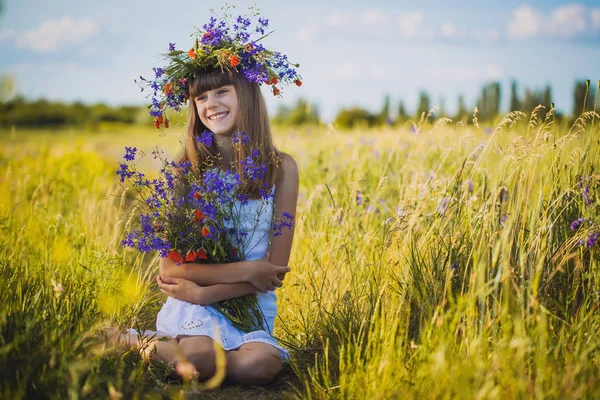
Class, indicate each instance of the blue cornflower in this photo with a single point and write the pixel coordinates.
(159, 72)
(577, 223)
(171, 46)
(124, 172)
(586, 195)
(286, 221)
(206, 138)
(239, 137)
(130, 153)
(251, 170)
(591, 239)
(129, 241)
(359, 198)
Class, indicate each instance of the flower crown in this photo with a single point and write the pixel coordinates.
(223, 44)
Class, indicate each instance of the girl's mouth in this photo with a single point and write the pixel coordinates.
(216, 117)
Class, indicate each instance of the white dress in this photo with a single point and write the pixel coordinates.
(178, 318)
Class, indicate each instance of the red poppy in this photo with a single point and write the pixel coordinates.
(160, 120)
(199, 217)
(273, 81)
(168, 88)
(234, 60)
(166, 123)
(175, 256)
(201, 254)
(156, 124)
(276, 91)
(205, 231)
(192, 54)
(298, 82)
(191, 256)
(197, 196)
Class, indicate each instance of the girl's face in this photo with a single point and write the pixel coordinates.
(218, 109)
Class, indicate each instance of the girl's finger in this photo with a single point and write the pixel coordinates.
(169, 280)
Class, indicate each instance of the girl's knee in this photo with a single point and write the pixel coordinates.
(260, 368)
(203, 361)
(200, 353)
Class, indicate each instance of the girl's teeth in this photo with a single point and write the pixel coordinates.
(218, 116)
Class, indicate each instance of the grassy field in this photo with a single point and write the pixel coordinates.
(437, 261)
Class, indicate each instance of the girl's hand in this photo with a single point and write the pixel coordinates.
(265, 276)
(180, 289)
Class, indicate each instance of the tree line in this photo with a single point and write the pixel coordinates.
(18, 111)
(488, 105)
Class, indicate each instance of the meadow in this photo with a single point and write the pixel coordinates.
(437, 260)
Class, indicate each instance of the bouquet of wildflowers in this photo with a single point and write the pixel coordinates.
(226, 43)
(193, 217)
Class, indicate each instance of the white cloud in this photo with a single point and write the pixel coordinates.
(526, 22)
(54, 34)
(307, 33)
(374, 18)
(410, 23)
(568, 21)
(596, 19)
(347, 72)
(449, 30)
(339, 19)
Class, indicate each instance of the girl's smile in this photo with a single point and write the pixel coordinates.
(218, 109)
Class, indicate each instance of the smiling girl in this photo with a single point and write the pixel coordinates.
(224, 100)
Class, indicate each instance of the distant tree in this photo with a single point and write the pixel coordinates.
(7, 87)
(547, 97)
(584, 97)
(515, 102)
(302, 113)
(488, 102)
(402, 114)
(354, 117)
(424, 105)
(384, 114)
(442, 107)
(462, 111)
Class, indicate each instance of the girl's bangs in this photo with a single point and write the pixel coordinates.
(210, 80)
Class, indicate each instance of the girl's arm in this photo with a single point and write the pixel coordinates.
(262, 274)
(186, 290)
(265, 273)
(286, 199)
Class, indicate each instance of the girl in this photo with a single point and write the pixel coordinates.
(226, 102)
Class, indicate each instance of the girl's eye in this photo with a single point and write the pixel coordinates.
(201, 98)
(222, 91)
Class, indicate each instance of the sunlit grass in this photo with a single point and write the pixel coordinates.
(429, 261)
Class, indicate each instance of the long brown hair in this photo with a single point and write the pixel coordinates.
(252, 118)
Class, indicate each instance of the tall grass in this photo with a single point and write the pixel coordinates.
(432, 262)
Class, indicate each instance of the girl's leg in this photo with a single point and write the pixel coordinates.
(200, 351)
(254, 363)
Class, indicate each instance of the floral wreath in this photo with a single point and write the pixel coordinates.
(225, 44)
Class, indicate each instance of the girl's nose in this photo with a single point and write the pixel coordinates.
(211, 102)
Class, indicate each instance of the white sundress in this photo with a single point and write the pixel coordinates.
(179, 318)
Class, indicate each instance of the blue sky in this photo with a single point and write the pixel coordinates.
(351, 53)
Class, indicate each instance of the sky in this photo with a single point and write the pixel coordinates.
(351, 53)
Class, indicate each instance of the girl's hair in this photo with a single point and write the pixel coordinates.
(252, 118)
